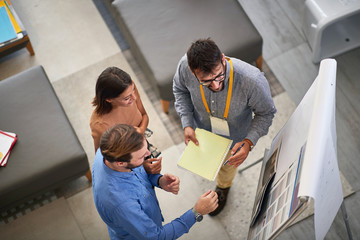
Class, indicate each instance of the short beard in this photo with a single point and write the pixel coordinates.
(132, 166)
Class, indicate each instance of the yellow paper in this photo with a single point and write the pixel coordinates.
(207, 158)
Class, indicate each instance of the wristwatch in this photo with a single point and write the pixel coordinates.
(198, 216)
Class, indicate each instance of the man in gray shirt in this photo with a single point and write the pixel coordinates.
(226, 96)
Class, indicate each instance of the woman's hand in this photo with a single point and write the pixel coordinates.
(153, 165)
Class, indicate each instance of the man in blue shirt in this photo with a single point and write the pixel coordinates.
(124, 193)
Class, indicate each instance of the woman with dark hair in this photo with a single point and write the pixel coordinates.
(117, 101)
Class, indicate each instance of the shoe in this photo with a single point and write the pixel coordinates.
(222, 196)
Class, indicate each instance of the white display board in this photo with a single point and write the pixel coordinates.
(305, 150)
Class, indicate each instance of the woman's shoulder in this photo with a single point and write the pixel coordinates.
(98, 122)
(94, 118)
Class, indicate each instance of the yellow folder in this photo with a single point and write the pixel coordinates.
(207, 158)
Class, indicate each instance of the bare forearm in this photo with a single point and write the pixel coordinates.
(144, 123)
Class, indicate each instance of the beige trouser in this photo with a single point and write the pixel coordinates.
(226, 176)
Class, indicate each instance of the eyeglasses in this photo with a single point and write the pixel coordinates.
(219, 78)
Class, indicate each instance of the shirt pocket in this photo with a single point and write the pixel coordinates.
(239, 109)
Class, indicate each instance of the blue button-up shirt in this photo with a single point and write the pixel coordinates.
(127, 203)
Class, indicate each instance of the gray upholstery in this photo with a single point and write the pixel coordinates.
(48, 152)
(159, 33)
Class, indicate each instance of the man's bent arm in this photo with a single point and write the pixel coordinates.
(183, 104)
(264, 110)
(137, 223)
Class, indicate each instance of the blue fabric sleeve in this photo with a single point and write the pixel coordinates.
(154, 179)
(140, 226)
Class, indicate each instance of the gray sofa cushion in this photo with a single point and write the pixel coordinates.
(47, 152)
(159, 33)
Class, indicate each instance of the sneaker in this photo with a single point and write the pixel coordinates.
(222, 196)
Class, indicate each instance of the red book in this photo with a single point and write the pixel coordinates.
(7, 141)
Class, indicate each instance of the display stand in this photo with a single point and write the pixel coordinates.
(343, 208)
(346, 220)
(250, 165)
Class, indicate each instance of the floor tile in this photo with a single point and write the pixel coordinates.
(295, 71)
(279, 34)
(83, 208)
(52, 221)
(70, 36)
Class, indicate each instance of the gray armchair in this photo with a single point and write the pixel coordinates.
(47, 153)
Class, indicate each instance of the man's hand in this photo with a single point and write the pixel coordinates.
(152, 165)
(240, 155)
(170, 183)
(189, 134)
(207, 202)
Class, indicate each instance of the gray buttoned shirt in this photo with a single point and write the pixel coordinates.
(251, 109)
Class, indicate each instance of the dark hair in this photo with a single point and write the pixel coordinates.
(110, 84)
(119, 141)
(205, 55)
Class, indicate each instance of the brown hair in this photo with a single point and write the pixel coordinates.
(205, 55)
(119, 141)
(110, 84)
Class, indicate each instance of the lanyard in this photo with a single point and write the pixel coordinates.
(228, 99)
